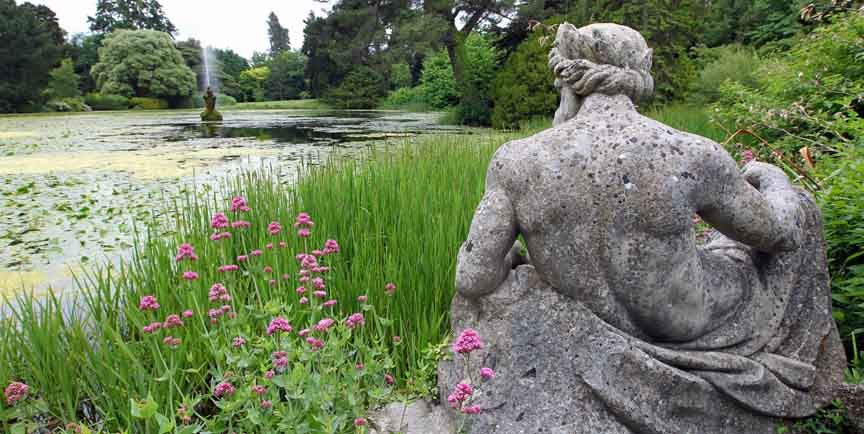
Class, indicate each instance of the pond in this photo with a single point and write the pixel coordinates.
(73, 186)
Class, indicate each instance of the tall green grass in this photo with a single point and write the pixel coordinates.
(691, 119)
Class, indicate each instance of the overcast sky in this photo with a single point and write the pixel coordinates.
(239, 25)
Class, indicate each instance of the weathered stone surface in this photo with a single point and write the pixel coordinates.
(415, 418)
(622, 323)
(852, 397)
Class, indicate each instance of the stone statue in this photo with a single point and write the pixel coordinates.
(210, 114)
(616, 321)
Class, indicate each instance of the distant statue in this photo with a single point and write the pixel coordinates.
(616, 321)
(210, 114)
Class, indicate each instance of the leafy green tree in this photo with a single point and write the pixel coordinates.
(252, 83)
(30, 46)
(114, 15)
(231, 65)
(362, 88)
(64, 82)
(287, 76)
(279, 37)
(84, 51)
(143, 63)
(524, 88)
(437, 82)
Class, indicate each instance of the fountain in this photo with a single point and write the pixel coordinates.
(210, 114)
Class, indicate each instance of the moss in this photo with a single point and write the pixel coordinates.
(213, 116)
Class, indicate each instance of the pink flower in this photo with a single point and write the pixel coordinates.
(224, 388)
(172, 321)
(747, 156)
(354, 320)
(283, 244)
(331, 247)
(268, 269)
(272, 282)
(279, 324)
(467, 342)
(471, 409)
(226, 308)
(219, 221)
(359, 421)
(279, 354)
(303, 219)
(242, 258)
(359, 366)
(487, 373)
(229, 267)
(214, 314)
(304, 300)
(286, 277)
(218, 292)
(362, 298)
(390, 288)
(304, 279)
(172, 341)
(240, 224)
(188, 314)
(324, 324)
(269, 246)
(315, 343)
(15, 391)
(269, 375)
(388, 379)
(462, 392)
(280, 363)
(317, 253)
(265, 404)
(219, 236)
(238, 203)
(256, 253)
(303, 333)
(304, 233)
(274, 228)
(318, 283)
(301, 289)
(320, 294)
(397, 339)
(186, 251)
(190, 275)
(259, 389)
(238, 342)
(329, 303)
(148, 302)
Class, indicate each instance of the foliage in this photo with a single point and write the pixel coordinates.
(279, 37)
(84, 51)
(146, 103)
(753, 22)
(98, 101)
(114, 15)
(437, 81)
(64, 82)
(286, 79)
(252, 83)
(190, 49)
(142, 63)
(475, 101)
(400, 76)
(361, 89)
(231, 65)
(29, 48)
(730, 62)
(524, 88)
(406, 98)
(689, 118)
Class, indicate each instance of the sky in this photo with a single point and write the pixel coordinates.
(239, 25)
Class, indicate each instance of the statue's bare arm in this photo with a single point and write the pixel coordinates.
(486, 257)
(748, 207)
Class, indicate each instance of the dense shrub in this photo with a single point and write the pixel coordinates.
(100, 101)
(361, 89)
(145, 103)
(731, 62)
(524, 88)
(437, 83)
(407, 98)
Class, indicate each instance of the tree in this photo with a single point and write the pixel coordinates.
(114, 15)
(190, 49)
(524, 88)
(231, 65)
(142, 63)
(279, 38)
(30, 46)
(287, 78)
(64, 82)
(252, 83)
(84, 51)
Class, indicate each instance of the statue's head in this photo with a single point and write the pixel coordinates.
(601, 58)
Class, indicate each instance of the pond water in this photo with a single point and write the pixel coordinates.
(71, 186)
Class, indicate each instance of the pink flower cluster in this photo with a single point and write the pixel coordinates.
(467, 342)
(238, 204)
(331, 247)
(304, 224)
(171, 341)
(183, 414)
(15, 392)
(186, 251)
(315, 343)
(324, 324)
(190, 275)
(152, 328)
(219, 221)
(274, 228)
(217, 313)
(172, 321)
(238, 342)
(279, 324)
(487, 373)
(148, 302)
(220, 235)
(218, 292)
(241, 224)
(390, 289)
(224, 389)
(459, 395)
(280, 360)
(747, 156)
(229, 267)
(355, 320)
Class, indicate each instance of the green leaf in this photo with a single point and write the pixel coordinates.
(166, 425)
(144, 409)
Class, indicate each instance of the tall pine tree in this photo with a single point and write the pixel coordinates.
(279, 38)
(130, 14)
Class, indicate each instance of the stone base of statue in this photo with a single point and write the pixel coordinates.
(559, 369)
(211, 116)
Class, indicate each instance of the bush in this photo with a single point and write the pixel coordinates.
(524, 89)
(437, 83)
(731, 62)
(222, 100)
(145, 103)
(362, 88)
(407, 98)
(99, 101)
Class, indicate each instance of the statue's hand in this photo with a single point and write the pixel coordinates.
(764, 176)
